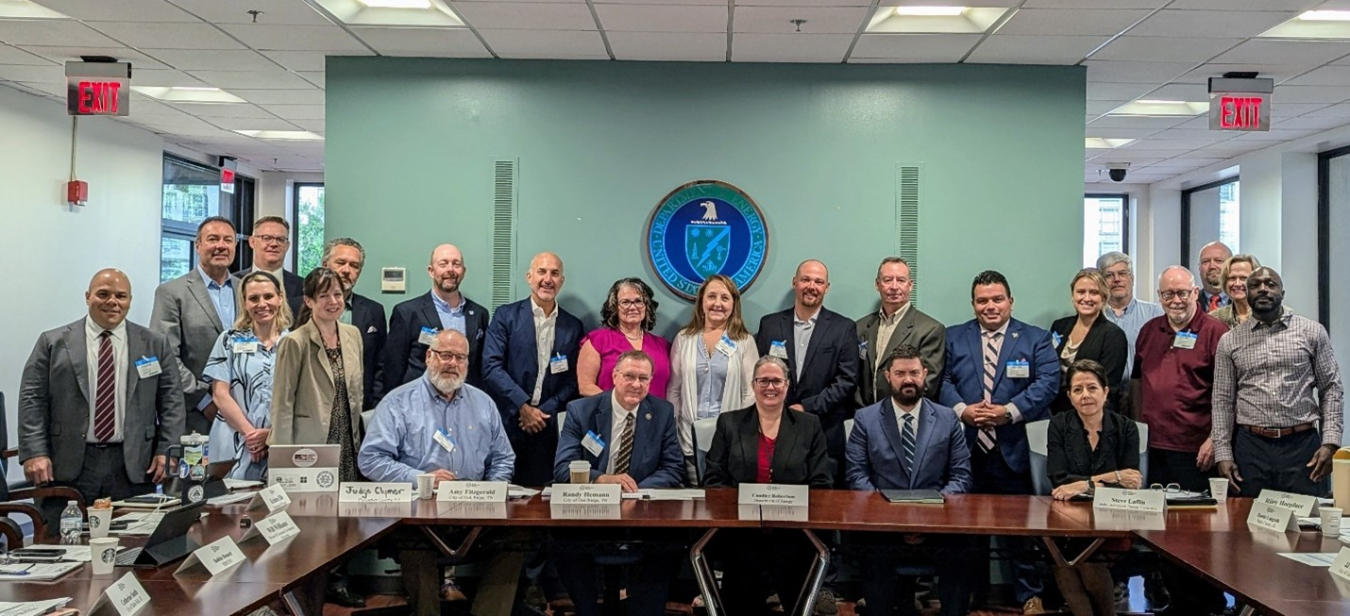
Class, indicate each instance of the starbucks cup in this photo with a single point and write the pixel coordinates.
(580, 471)
(104, 553)
(99, 519)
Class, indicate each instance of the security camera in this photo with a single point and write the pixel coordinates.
(1117, 171)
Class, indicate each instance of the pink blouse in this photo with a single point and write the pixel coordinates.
(611, 343)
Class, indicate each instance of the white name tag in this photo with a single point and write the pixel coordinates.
(315, 479)
(1018, 369)
(1184, 340)
(772, 494)
(778, 348)
(1272, 518)
(125, 597)
(1341, 566)
(148, 367)
(586, 494)
(593, 443)
(274, 529)
(245, 345)
(471, 492)
(443, 439)
(369, 492)
(1148, 501)
(427, 336)
(1303, 506)
(725, 346)
(216, 556)
(558, 364)
(273, 499)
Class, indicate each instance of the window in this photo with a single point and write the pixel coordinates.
(1210, 212)
(1229, 220)
(1333, 212)
(191, 194)
(308, 202)
(1105, 225)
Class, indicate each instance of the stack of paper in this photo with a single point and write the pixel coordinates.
(37, 572)
(32, 608)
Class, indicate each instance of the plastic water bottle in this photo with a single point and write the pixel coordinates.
(71, 523)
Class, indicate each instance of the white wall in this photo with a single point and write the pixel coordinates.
(52, 249)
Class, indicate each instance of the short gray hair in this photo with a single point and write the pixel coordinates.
(1189, 273)
(342, 241)
(1111, 259)
(769, 360)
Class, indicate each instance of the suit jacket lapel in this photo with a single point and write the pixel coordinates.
(750, 440)
(433, 319)
(787, 329)
(903, 329)
(136, 349)
(197, 287)
(316, 339)
(977, 354)
(79, 356)
(1005, 352)
(891, 429)
(822, 321)
(784, 446)
(603, 422)
(927, 428)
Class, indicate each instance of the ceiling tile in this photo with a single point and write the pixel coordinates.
(1096, 108)
(57, 90)
(297, 112)
(164, 79)
(1164, 49)
(1098, 91)
(914, 47)
(252, 124)
(205, 110)
(137, 59)
(667, 46)
(429, 42)
(1121, 133)
(316, 126)
(1042, 49)
(658, 18)
(284, 12)
(1327, 111)
(1135, 72)
(167, 36)
(789, 47)
(298, 60)
(1251, 5)
(119, 10)
(308, 96)
(1310, 122)
(528, 15)
(802, 3)
(296, 38)
(318, 79)
(1136, 122)
(1275, 134)
(769, 20)
(1330, 75)
(982, 3)
(1071, 21)
(1191, 92)
(565, 44)
(1289, 110)
(15, 55)
(1216, 24)
(1310, 94)
(34, 74)
(46, 32)
(1095, 4)
(1278, 72)
(243, 80)
(223, 59)
(1302, 53)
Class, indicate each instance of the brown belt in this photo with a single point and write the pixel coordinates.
(1277, 432)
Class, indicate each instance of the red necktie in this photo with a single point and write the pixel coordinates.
(105, 400)
(1213, 303)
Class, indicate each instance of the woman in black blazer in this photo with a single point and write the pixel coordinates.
(765, 443)
(1088, 335)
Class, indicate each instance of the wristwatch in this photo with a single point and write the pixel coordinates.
(1007, 414)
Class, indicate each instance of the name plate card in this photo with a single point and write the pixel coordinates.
(563, 511)
(314, 479)
(772, 494)
(271, 500)
(476, 511)
(471, 492)
(274, 529)
(1144, 501)
(1340, 568)
(1273, 518)
(125, 597)
(216, 556)
(586, 494)
(1303, 506)
(367, 492)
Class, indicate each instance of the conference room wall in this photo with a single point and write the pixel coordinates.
(411, 144)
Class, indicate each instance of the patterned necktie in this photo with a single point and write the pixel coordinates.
(105, 398)
(907, 443)
(1213, 303)
(624, 455)
(993, 340)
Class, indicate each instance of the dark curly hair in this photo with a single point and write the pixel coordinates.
(609, 313)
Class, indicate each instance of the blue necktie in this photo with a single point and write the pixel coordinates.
(907, 443)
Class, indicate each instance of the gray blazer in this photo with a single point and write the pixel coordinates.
(184, 313)
(915, 329)
(55, 393)
(303, 387)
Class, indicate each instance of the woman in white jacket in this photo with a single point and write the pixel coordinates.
(711, 363)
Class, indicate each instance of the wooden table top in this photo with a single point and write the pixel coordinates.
(718, 509)
(166, 597)
(973, 514)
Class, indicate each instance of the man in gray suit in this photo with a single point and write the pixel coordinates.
(99, 403)
(897, 323)
(192, 311)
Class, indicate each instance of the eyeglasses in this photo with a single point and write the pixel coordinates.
(1117, 275)
(451, 356)
(1170, 488)
(273, 239)
(630, 377)
(769, 383)
(1168, 296)
(632, 303)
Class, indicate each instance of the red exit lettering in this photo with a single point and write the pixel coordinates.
(1239, 112)
(98, 97)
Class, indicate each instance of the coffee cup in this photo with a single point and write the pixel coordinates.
(99, 520)
(426, 485)
(103, 554)
(580, 471)
(1218, 488)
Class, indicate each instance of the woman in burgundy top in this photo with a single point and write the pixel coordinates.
(766, 444)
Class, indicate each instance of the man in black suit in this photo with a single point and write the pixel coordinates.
(346, 257)
(415, 322)
(270, 241)
(821, 351)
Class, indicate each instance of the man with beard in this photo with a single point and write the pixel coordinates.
(415, 323)
(438, 424)
(1122, 307)
(1212, 257)
(345, 256)
(897, 323)
(270, 240)
(1265, 375)
(907, 442)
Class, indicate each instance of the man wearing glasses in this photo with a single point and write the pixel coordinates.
(1172, 384)
(1122, 307)
(270, 242)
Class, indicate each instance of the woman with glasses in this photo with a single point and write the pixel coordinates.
(1235, 273)
(240, 372)
(766, 443)
(1087, 334)
(711, 363)
(1090, 447)
(627, 318)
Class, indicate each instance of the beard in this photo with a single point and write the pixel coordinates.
(448, 285)
(909, 395)
(446, 383)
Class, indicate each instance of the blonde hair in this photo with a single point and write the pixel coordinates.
(1093, 274)
(245, 320)
(735, 324)
(1237, 258)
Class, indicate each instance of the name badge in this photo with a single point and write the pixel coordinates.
(558, 364)
(272, 499)
(1184, 340)
(585, 494)
(778, 348)
(216, 556)
(593, 443)
(370, 492)
(1341, 566)
(1272, 518)
(244, 344)
(126, 596)
(472, 492)
(274, 529)
(1303, 506)
(772, 494)
(1147, 501)
(862, 349)
(725, 346)
(1018, 369)
(427, 336)
(1055, 338)
(443, 439)
(148, 367)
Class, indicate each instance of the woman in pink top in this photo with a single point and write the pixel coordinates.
(627, 318)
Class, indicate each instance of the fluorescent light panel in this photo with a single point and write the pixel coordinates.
(1325, 16)
(930, 11)
(281, 135)
(934, 19)
(393, 13)
(1100, 143)
(397, 4)
(1314, 25)
(23, 9)
(1160, 108)
(188, 94)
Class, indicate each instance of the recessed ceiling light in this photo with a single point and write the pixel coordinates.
(188, 94)
(23, 9)
(1161, 102)
(1325, 16)
(934, 19)
(930, 11)
(1099, 143)
(393, 13)
(397, 4)
(282, 135)
(1160, 108)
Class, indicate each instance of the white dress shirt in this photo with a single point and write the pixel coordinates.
(617, 415)
(544, 328)
(92, 331)
(900, 414)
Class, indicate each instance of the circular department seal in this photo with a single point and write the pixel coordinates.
(325, 479)
(196, 493)
(703, 228)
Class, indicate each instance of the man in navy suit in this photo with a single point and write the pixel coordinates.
(270, 240)
(1001, 373)
(907, 442)
(414, 323)
(345, 256)
(629, 439)
(821, 350)
(529, 354)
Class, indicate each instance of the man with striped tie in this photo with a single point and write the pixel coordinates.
(1001, 373)
(99, 404)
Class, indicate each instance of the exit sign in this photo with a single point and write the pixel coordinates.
(98, 88)
(1239, 104)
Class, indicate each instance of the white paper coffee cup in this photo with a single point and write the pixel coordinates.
(99, 519)
(104, 554)
(426, 485)
(1331, 520)
(1218, 488)
(579, 471)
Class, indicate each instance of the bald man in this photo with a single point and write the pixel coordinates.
(99, 403)
(415, 323)
(1212, 257)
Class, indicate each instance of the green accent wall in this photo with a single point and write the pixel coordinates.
(411, 144)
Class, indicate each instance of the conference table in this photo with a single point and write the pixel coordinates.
(1215, 544)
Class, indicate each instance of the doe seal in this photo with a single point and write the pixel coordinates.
(704, 228)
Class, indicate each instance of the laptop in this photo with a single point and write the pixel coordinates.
(168, 542)
(304, 468)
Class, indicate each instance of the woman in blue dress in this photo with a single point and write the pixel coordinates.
(240, 372)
